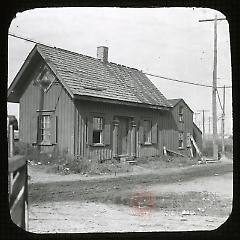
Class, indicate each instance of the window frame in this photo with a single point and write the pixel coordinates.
(180, 113)
(101, 131)
(180, 133)
(40, 115)
(43, 130)
(45, 72)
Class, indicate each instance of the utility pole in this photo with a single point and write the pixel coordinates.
(203, 126)
(223, 119)
(209, 125)
(214, 88)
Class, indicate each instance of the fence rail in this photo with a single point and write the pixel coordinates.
(17, 186)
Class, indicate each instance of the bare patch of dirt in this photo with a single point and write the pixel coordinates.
(97, 217)
(76, 203)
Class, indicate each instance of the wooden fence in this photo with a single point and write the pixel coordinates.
(17, 185)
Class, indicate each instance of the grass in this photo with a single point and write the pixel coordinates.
(64, 163)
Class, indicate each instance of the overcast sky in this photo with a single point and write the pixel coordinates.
(165, 41)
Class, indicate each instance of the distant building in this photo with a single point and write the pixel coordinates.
(183, 128)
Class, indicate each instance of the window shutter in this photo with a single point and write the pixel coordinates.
(35, 129)
(107, 132)
(90, 129)
(53, 126)
(141, 140)
(155, 133)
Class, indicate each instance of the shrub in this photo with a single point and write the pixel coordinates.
(78, 165)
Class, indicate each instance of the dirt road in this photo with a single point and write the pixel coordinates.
(75, 203)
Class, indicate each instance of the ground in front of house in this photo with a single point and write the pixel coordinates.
(195, 197)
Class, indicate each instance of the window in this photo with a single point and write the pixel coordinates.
(45, 78)
(97, 130)
(188, 144)
(180, 114)
(147, 137)
(45, 131)
(180, 140)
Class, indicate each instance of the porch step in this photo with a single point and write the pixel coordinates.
(132, 162)
(127, 159)
(210, 160)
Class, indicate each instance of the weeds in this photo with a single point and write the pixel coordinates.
(65, 163)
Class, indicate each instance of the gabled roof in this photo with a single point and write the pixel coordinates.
(197, 128)
(82, 75)
(175, 101)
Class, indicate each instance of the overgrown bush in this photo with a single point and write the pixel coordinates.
(88, 166)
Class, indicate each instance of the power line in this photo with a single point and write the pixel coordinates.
(210, 20)
(181, 81)
(26, 39)
(150, 74)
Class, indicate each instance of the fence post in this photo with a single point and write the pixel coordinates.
(11, 140)
(18, 200)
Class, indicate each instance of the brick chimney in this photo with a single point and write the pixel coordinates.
(102, 53)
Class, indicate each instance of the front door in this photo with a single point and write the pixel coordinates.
(122, 137)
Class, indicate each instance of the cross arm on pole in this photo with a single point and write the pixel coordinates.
(211, 20)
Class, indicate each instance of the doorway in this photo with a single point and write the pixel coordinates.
(122, 136)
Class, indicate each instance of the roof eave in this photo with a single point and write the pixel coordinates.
(114, 101)
(11, 96)
(197, 127)
(181, 100)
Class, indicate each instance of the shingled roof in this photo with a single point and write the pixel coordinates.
(87, 76)
(175, 101)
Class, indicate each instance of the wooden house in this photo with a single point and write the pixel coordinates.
(179, 137)
(90, 107)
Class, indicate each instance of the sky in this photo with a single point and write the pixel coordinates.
(169, 42)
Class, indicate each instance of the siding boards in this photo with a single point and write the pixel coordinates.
(110, 111)
(30, 103)
(187, 127)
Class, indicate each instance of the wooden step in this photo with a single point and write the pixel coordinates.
(210, 160)
(131, 162)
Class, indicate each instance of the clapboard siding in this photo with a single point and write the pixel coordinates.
(110, 111)
(56, 97)
(175, 127)
(29, 103)
(73, 120)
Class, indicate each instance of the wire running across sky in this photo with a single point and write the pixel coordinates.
(149, 74)
(181, 81)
